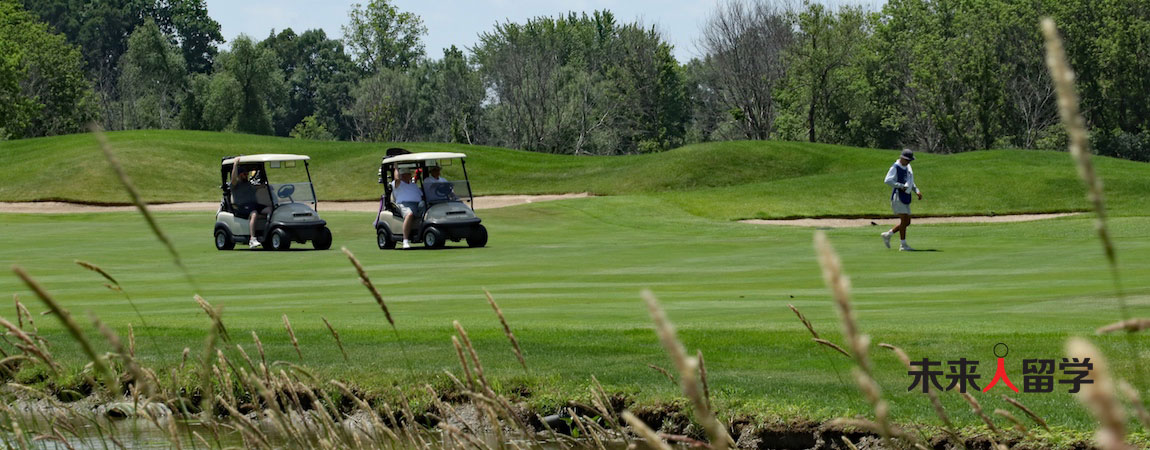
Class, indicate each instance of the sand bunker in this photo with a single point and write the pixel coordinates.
(844, 223)
(484, 202)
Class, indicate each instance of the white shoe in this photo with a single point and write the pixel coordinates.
(253, 243)
(406, 244)
(905, 248)
(886, 238)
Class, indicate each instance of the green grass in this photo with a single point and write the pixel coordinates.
(725, 180)
(568, 275)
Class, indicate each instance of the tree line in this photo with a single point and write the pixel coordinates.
(934, 75)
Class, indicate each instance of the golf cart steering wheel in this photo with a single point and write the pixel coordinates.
(286, 191)
(444, 190)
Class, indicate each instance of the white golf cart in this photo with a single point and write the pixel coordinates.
(447, 213)
(293, 205)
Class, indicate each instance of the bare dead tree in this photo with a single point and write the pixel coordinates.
(744, 44)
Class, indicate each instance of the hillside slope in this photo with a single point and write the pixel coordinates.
(728, 180)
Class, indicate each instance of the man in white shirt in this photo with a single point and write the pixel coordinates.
(900, 178)
(408, 197)
(430, 181)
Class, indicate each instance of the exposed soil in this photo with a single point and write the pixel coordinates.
(482, 202)
(887, 221)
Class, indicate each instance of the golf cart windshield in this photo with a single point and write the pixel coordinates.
(284, 191)
(301, 192)
(438, 191)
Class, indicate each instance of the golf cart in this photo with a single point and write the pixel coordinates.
(293, 214)
(447, 213)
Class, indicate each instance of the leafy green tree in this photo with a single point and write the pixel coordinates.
(42, 81)
(196, 32)
(153, 79)
(192, 116)
(457, 95)
(223, 104)
(387, 107)
(380, 36)
(312, 129)
(825, 46)
(256, 72)
(319, 78)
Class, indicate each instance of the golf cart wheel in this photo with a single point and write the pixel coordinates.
(478, 237)
(280, 240)
(433, 238)
(384, 239)
(224, 240)
(323, 241)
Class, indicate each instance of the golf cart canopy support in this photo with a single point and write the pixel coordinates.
(265, 157)
(414, 157)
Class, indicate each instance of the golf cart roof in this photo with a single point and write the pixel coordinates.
(265, 157)
(412, 157)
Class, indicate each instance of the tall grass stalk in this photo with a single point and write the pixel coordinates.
(29, 346)
(366, 280)
(69, 324)
(507, 331)
(116, 286)
(839, 284)
(819, 340)
(463, 362)
(215, 314)
(1029, 413)
(665, 373)
(141, 379)
(1079, 144)
(291, 334)
(338, 342)
(935, 403)
(688, 373)
(21, 311)
(138, 200)
(977, 409)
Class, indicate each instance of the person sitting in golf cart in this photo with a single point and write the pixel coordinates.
(246, 195)
(435, 186)
(408, 197)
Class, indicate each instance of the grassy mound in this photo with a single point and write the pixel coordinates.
(726, 180)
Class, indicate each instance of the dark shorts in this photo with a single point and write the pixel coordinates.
(245, 210)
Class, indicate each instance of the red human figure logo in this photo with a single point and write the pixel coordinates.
(1000, 372)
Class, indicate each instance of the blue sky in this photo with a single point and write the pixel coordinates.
(460, 21)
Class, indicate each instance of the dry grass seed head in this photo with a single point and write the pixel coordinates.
(363, 278)
(1130, 326)
(507, 330)
(291, 334)
(803, 319)
(839, 284)
(338, 342)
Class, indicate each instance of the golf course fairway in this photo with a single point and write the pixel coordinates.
(568, 274)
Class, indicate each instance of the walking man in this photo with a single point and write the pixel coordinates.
(900, 178)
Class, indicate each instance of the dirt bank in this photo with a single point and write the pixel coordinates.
(844, 223)
(483, 202)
